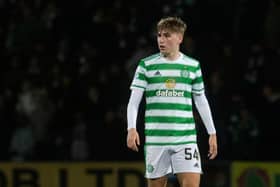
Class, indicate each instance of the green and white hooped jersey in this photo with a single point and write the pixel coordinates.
(168, 87)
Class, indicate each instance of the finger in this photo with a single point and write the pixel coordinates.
(132, 145)
(137, 143)
(212, 153)
(212, 156)
(136, 148)
(138, 140)
(211, 149)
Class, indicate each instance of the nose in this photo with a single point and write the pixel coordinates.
(160, 39)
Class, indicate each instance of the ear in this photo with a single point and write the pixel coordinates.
(180, 38)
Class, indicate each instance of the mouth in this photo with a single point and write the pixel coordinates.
(161, 47)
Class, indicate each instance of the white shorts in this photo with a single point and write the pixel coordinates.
(163, 160)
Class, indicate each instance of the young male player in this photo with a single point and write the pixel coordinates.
(170, 80)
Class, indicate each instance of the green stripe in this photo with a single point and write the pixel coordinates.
(170, 132)
(198, 90)
(170, 67)
(167, 119)
(186, 80)
(138, 86)
(169, 106)
(142, 64)
(198, 80)
(141, 76)
(175, 143)
(153, 93)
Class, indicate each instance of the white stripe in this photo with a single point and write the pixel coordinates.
(152, 60)
(138, 82)
(173, 73)
(181, 62)
(185, 61)
(168, 126)
(140, 69)
(192, 75)
(170, 73)
(190, 61)
(170, 139)
(198, 73)
(179, 100)
(179, 86)
(175, 113)
(198, 86)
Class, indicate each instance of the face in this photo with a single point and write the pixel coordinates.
(168, 42)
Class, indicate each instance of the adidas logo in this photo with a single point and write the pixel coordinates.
(196, 165)
(157, 73)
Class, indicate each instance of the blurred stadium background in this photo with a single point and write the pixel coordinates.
(66, 67)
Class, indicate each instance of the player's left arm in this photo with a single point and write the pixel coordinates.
(204, 111)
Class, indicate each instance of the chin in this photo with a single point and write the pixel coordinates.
(164, 53)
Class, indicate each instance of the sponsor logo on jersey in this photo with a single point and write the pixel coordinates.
(170, 93)
(170, 83)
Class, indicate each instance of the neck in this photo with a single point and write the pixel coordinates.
(172, 55)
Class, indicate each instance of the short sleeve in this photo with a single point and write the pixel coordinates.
(198, 85)
(139, 80)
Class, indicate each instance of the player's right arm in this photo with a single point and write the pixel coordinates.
(133, 140)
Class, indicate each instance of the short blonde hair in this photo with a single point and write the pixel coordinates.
(173, 24)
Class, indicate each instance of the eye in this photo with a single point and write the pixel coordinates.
(167, 35)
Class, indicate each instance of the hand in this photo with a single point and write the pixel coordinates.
(213, 148)
(133, 140)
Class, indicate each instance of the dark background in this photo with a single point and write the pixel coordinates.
(66, 68)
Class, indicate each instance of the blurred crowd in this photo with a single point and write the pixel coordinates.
(66, 68)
